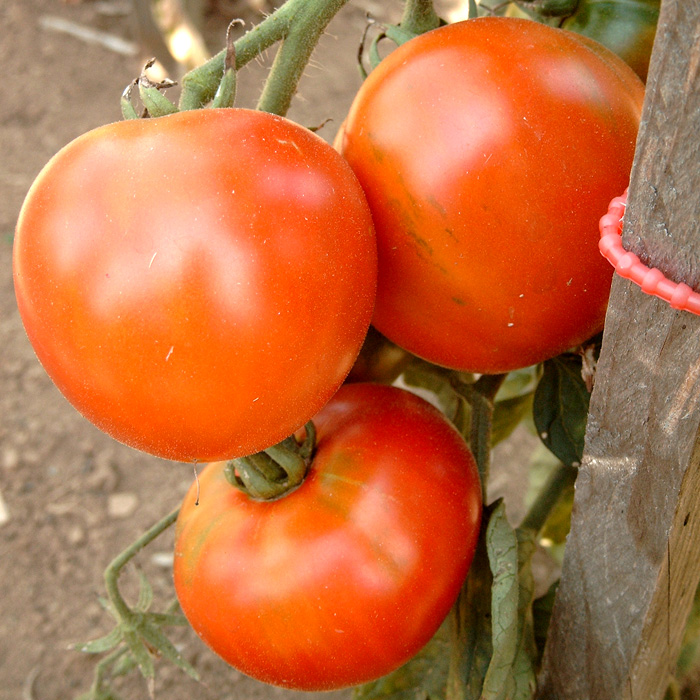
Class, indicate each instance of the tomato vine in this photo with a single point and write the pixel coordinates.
(488, 645)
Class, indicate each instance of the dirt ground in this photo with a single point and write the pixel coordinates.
(70, 497)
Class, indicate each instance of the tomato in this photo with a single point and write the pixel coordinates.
(197, 285)
(627, 27)
(347, 577)
(487, 150)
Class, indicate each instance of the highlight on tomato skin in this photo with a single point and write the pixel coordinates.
(197, 285)
(350, 575)
(487, 150)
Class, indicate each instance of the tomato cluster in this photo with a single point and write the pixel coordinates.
(200, 285)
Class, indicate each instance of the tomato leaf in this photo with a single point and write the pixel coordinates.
(502, 547)
(494, 653)
(560, 410)
(510, 674)
(526, 656)
(507, 415)
(422, 678)
(471, 639)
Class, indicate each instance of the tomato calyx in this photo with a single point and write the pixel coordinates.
(226, 92)
(276, 471)
(155, 103)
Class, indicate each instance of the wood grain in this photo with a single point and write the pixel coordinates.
(632, 565)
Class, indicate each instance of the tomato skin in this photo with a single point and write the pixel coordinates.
(346, 578)
(197, 285)
(487, 150)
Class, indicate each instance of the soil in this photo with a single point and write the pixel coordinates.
(71, 498)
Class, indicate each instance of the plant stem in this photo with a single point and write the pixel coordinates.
(480, 397)
(112, 572)
(101, 668)
(200, 85)
(561, 477)
(299, 24)
(309, 23)
(419, 16)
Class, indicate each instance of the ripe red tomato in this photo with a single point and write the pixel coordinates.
(197, 285)
(346, 578)
(487, 150)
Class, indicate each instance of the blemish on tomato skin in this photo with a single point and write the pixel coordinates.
(170, 352)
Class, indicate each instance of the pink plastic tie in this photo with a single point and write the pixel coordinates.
(628, 265)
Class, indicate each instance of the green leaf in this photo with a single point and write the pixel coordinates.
(526, 658)
(502, 548)
(511, 672)
(422, 678)
(560, 410)
(508, 414)
(471, 637)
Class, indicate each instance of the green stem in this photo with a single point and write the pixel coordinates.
(112, 572)
(96, 691)
(276, 471)
(298, 24)
(419, 16)
(480, 396)
(561, 478)
(310, 21)
(199, 86)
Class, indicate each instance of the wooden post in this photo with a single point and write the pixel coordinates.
(632, 560)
